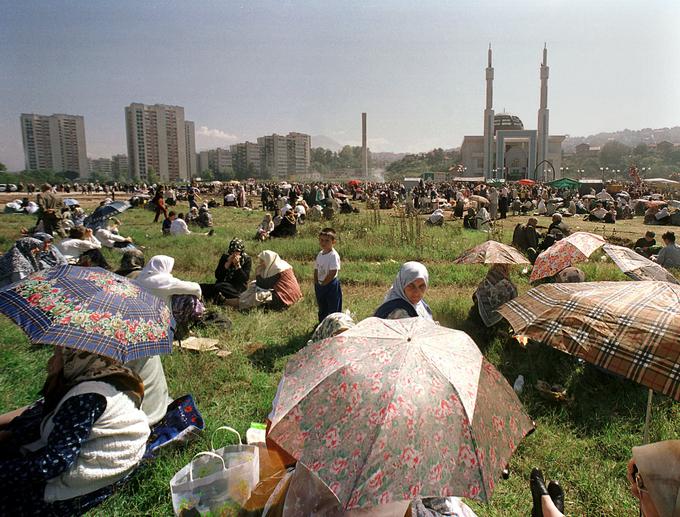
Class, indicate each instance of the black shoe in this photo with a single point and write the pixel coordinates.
(538, 489)
(556, 493)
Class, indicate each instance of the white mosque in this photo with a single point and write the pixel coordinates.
(507, 150)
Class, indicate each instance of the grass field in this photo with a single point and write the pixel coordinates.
(584, 445)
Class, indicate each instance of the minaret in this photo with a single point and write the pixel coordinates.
(543, 114)
(488, 121)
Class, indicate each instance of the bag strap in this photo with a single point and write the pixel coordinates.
(227, 428)
(205, 453)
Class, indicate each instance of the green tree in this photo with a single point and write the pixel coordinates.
(207, 175)
(151, 176)
(614, 154)
(641, 150)
(3, 167)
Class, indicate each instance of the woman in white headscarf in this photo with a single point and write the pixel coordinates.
(405, 297)
(156, 278)
(275, 285)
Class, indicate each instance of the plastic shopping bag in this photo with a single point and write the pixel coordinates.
(216, 482)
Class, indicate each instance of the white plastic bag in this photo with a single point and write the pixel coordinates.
(217, 482)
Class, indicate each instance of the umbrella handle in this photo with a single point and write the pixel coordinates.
(227, 428)
(648, 416)
(205, 453)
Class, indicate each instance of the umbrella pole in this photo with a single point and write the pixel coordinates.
(648, 416)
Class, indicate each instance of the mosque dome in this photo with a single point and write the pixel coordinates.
(507, 121)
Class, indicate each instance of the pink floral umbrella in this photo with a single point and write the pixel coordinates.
(394, 409)
(491, 252)
(575, 248)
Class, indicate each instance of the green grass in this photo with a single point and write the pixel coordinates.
(584, 445)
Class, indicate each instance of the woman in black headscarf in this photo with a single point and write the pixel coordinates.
(231, 275)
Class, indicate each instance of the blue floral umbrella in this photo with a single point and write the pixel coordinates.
(89, 309)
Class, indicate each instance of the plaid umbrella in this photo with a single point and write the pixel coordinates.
(478, 199)
(89, 309)
(393, 409)
(636, 266)
(491, 252)
(629, 328)
(577, 247)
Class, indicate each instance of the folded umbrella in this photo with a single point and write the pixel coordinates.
(395, 409)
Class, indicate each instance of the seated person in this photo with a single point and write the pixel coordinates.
(459, 208)
(110, 238)
(190, 218)
(80, 240)
(265, 228)
(93, 258)
(516, 206)
(205, 219)
(287, 227)
(436, 218)
(646, 246)
(597, 214)
(558, 224)
(610, 216)
(492, 292)
(167, 223)
(64, 454)
(650, 215)
(653, 476)
(315, 213)
(231, 275)
(527, 206)
(570, 275)
(525, 237)
(669, 255)
(131, 264)
(470, 219)
(663, 216)
(230, 199)
(22, 259)
(405, 297)
(275, 285)
(483, 219)
(179, 227)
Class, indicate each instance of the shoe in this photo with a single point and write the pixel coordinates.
(556, 493)
(211, 232)
(538, 489)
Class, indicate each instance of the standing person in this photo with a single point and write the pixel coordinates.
(49, 210)
(159, 203)
(326, 284)
(192, 195)
(493, 203)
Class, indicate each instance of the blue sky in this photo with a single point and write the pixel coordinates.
(244, 69)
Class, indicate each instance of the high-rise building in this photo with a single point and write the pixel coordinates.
(101, 166)
(157, 142)
(190, 138)
(273, 155)
(203, 161)
(299, 153)
(55, 142)
(242, 155)
(119, 167)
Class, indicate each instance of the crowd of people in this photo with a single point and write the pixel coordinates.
(66, 453)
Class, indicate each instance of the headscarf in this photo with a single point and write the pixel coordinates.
(157, 274)
(409, 273)
(52, 257)
(236, 244)
(20, 259)
(332, 325)
(132, 260)
(273, 264)
(81, 366)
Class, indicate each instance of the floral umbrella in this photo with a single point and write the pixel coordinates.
(577, 247)
(89, 309)
(394, 409)
(492, 252)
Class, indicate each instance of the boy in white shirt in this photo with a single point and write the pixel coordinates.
(326, 283)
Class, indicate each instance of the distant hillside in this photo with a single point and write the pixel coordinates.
(386, 158)
(628, 136)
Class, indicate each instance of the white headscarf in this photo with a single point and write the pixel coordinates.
(156, 277)
(409, 273)
(273, 264)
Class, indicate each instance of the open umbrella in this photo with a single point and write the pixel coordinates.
(478, 199)
(69, 202)
(89, 309)
(636, 266)
(393, 409)
(526, 181)
(97, 218)
(629, 328)
(588, 196)
(491, 252)
(577, 247)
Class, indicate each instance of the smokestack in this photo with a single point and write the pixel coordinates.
(364, 150)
